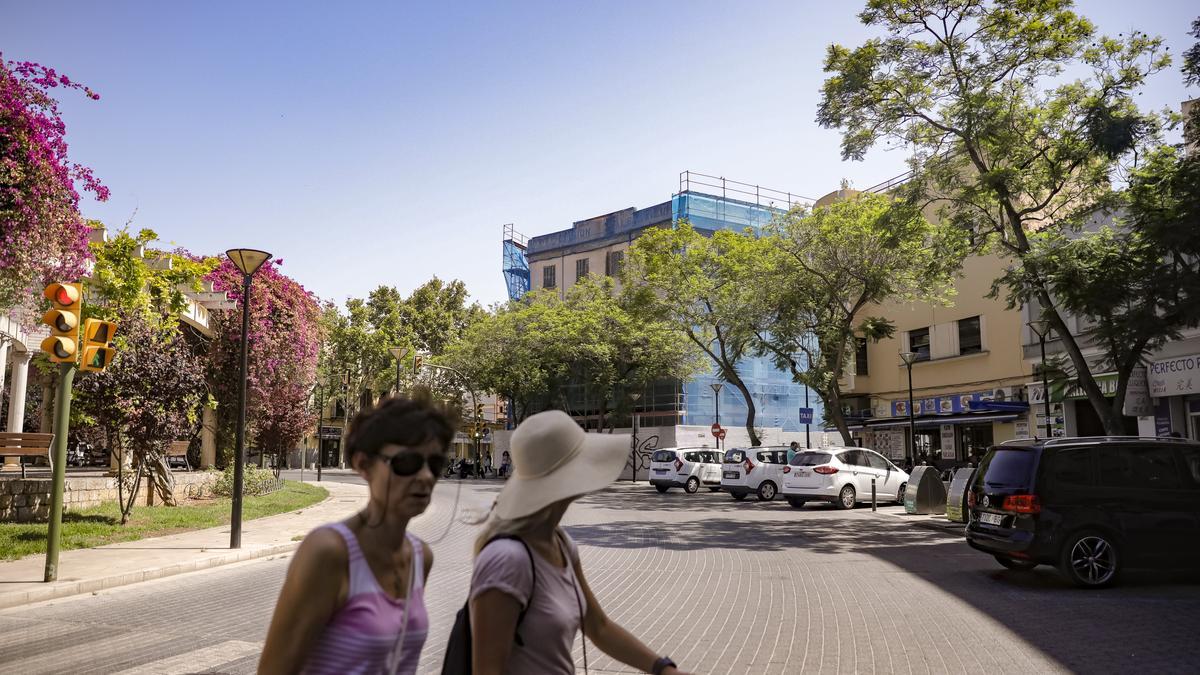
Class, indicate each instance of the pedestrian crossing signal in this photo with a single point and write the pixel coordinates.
(63, 319)
(98, 351)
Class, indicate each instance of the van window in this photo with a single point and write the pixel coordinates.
(766, 457)
(877, 462)
(692, 457)
(811, 458)
(1009, 467)
(1133, 467)
(1191, 463)
(663, 456)
(713, 457)
(852, 457)
(1072, 467)
(734, 456)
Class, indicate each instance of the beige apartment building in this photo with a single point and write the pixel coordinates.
(969, 376)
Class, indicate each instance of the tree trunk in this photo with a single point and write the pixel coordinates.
(161, 478)
(1083, 373)
(750, 410)
(833, 411)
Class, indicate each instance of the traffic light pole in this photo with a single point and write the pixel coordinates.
(62, 417)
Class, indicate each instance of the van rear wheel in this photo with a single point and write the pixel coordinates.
(739, 496)
(1090, 559)
(693, 484)
(846, 498)
(661, 488)
(766, 491)
(798, 503)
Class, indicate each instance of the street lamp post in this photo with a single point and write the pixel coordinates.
(807, 425)
(248, 261)
(634, 396)
(320, 421)
(399, 353)
(908, 358)
(716, 387)
(1041, 328)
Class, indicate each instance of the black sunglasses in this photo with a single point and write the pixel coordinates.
(409, 463)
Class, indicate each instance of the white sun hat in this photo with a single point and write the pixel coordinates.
(553, 459)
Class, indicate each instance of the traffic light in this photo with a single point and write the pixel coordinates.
(479, 411)
(416, 363)
(63, 319)
(98, 351)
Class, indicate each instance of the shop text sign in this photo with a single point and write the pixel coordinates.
(1175, 377)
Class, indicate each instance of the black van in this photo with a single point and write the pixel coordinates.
(1089, 506)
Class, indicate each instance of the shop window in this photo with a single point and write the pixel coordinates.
(581, 268)
(918, 343)
(860, 356)
(970, 338)
(548, 277)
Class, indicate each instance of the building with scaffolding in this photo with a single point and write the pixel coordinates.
(597, 245)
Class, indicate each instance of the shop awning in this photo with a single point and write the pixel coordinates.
(927, 421)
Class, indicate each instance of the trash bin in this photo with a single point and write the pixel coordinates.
(956, 502)
(925, 492)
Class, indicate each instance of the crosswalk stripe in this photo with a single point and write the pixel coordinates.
(198, 660)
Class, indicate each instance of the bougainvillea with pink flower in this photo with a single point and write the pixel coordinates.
(42, 234)
(283, 339)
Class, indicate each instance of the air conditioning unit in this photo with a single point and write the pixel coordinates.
(1001, 394)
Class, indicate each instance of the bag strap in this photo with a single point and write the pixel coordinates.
(562, 542)
(532, 588)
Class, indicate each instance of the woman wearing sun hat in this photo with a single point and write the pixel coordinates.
(529, 595)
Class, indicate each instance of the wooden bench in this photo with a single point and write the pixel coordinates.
(179, 449)
(23, 445)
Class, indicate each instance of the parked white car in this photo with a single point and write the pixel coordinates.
(688, 468)
(842, 476)
(757, 470)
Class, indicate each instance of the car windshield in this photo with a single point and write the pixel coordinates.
(811, 459)
(734, 456)
(663, 456)
(1009, 468)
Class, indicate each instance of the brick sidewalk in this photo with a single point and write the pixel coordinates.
(93, 569)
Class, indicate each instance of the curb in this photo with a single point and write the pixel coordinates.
(66, 589)
(936, 525)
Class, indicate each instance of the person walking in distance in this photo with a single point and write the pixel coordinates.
(529, 595)
(353, 598)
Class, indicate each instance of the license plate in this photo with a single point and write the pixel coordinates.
(660, 471)
(732, 474)
(801, 472)
(991, 518)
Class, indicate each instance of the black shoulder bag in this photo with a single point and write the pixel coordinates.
(458, 648)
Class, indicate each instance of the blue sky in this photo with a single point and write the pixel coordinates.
(369, 143)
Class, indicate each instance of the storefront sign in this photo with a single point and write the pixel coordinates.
(1073, 391)
(939, 405)
(1162, 417)
(1137, 395)
(1175, 377)
(1021, 428)
(331, 432)
(889, 443)
(948, 450)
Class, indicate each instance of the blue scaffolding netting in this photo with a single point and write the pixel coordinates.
(516, 266)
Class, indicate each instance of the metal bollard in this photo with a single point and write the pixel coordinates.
(873, 505)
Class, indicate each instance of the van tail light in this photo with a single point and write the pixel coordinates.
(678, 465)
(787, 469)
(748, 466)
(826, 470)
(971, 498)
(1022, 504)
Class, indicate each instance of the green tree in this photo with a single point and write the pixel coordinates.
(703, 286)
(833, 265)
(436, 313)
(1002, 140)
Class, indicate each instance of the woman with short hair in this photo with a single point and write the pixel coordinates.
(353, 598)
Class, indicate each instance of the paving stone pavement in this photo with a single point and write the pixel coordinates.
(721, 586)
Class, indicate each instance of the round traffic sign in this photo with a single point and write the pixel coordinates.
(716, 428)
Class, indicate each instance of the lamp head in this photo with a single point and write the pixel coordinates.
(1040, 327)
(908, 357)
(716, 387)
(248, 260)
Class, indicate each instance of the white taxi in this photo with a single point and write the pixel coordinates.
(757, 470)
(842, 476)
(688, 468)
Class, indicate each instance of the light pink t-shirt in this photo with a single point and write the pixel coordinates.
(553, 619)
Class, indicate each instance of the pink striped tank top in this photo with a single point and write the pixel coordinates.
(363, 635)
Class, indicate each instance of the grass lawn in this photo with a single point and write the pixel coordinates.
(101, 525)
